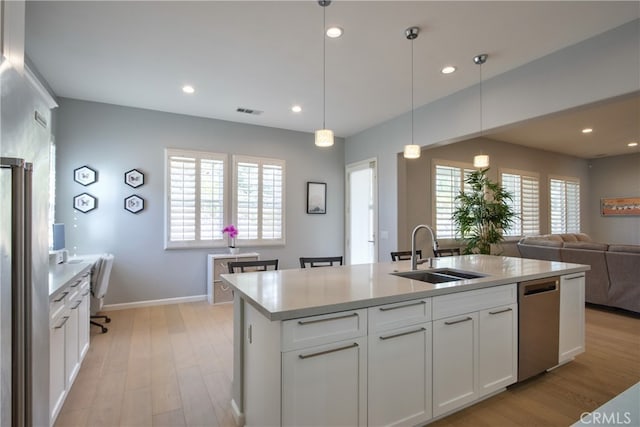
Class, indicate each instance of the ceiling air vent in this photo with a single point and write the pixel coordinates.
(249, 111)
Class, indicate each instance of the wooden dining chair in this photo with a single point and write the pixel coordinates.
(246, 266)
(404, 255)
(320, 261)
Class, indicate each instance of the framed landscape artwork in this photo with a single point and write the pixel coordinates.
(620, 206)
(316, 198)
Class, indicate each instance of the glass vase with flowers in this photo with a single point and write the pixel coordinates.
(231, 231)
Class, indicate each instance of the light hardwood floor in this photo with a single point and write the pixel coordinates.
(172, 366)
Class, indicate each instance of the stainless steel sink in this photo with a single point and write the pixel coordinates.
(438, 276)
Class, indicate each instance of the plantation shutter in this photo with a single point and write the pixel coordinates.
(449, 181)
(259, 201)
(525, 192)
(195, 198)
(182, 198)
(564, 197)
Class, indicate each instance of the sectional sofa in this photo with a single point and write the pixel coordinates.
(614, 278)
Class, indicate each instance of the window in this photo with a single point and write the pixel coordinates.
(524, 186)
(258, 190)
(448, 182)
(564, 205)
(195, 209)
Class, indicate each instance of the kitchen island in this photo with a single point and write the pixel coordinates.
(359, 345)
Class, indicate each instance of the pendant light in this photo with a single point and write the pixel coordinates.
(480, 161)
(412, 151)
(324, 136)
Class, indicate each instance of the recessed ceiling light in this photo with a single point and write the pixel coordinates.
(188, 89)
(632, 144)
(587, 130)
(448, 69)
(296, 108)
(334, 32)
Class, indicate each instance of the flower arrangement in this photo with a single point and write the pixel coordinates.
(232, 232)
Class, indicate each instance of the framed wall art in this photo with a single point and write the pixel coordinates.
(620, 206)
(316, 198)
(134, 204)
(85, 175)
(85, 202)
(134, 178)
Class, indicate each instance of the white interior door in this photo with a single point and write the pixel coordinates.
(361, 212)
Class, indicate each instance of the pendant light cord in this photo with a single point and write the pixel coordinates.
(481, 127)
(324, 66)
(412, 109)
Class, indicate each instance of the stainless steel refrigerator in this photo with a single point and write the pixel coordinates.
(24, 291)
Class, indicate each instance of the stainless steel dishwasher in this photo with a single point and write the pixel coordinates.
(538, 326)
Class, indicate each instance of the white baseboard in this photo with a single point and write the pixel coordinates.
(151, 303)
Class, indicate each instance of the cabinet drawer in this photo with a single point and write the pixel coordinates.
(57, 304)
(399, 314)
(323, 329)
(220, 266)
(480, 299)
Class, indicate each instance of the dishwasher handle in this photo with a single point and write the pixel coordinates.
(538, 288)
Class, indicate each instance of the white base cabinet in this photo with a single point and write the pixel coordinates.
(325, 385)
(571, 316)
(68, 339)
(475, 350)
(400, 376)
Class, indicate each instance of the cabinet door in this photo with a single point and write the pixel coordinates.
(57, 377)
(325, 385)
(571, 316)
(498, 348)
(399, 380)
(72, 361)
(83, 324)
(455, 362)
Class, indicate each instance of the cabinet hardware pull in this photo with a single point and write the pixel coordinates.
(62, 295)
(320, 353)
(402, 306)
(308, 322)
(500, 311)
(250, 333)
(77, 305)
(85, 294)
(415, 331)
(64, 320)
(75, 285)
(574, 277)
(466, 319)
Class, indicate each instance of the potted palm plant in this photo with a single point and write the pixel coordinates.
(482, 213)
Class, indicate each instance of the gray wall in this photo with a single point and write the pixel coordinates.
(571, 77)
(114, 139)
(417, 178)
(617, 176)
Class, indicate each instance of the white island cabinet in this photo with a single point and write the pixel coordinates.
(571, 316)
(358, 345)
(475, 345)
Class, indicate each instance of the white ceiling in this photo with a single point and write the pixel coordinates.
(267, 55)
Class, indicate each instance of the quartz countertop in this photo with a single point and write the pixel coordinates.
(288, 294)
(61, 274)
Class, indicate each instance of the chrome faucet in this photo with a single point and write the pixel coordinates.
(414, 258)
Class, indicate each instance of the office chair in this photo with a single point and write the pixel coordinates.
(262, 265)
(320, 261)
(446, 252)
(99, 283)
(404, 255)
